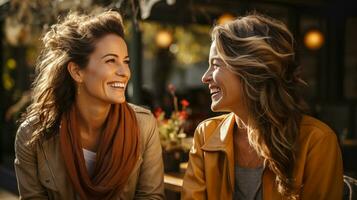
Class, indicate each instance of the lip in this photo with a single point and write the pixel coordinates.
(117, 84)
(123, 81)
(214, 89)
(214, 95)
(212, 86)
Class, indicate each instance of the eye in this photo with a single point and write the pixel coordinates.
(216, 65)
(127, 62)
(112, 60)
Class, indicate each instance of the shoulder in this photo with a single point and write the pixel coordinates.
(25, 132)
(313, 127)
(145, 118)
(140, 111)
(147, 124)
(314, 131)
(212, 122)
(27, 128)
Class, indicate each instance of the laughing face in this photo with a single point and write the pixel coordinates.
(107, 73)
(225, 86)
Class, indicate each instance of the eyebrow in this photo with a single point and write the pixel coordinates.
(112, 54)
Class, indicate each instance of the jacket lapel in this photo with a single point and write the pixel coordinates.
(222, 140)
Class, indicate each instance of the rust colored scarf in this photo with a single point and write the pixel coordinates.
(117, 153)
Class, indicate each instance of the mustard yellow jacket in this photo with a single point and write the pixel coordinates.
(41, 173)
(210, 173)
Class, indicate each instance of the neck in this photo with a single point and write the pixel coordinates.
(241, 119)
(241, 114)
(91, 115)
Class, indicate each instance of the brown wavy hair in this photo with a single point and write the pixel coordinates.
(72, 39)
(260, 51)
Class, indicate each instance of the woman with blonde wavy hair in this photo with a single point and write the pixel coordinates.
(266, 147)
(80, 139)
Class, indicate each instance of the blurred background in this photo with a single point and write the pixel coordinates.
(169, 43)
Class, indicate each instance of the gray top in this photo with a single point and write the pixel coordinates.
(248, 183)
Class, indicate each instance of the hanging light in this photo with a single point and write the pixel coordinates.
(163, 38)
(314, 39)
(226, 17)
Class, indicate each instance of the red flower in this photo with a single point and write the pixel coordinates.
(185, 103)
(158, 112)
(183, 115)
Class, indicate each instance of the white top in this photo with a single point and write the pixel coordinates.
(90, 157)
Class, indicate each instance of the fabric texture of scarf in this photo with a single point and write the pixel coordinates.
(117, 153)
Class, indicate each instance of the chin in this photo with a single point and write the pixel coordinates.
(121, 101)
(118, 100)
(215, 107)
(218, 106)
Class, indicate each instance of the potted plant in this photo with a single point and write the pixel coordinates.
(172, 133)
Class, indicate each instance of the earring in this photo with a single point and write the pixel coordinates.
(79, 89)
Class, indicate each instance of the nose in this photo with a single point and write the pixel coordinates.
(123, 70)
(207, 76)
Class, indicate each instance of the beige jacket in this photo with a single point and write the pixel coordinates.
(41, 172)
(210, 174)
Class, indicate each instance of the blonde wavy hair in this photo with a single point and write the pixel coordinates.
(260, 51)
(72, 39)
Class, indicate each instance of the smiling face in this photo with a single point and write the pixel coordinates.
(107, 74)
(225, 86)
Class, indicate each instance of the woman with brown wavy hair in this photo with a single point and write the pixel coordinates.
(266, 147)
(80, 138)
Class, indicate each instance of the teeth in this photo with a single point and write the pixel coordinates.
(215, 90)
(117, 85)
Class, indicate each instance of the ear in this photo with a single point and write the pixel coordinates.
(75, 72)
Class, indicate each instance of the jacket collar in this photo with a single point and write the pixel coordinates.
(222, 137)
(222, 140)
